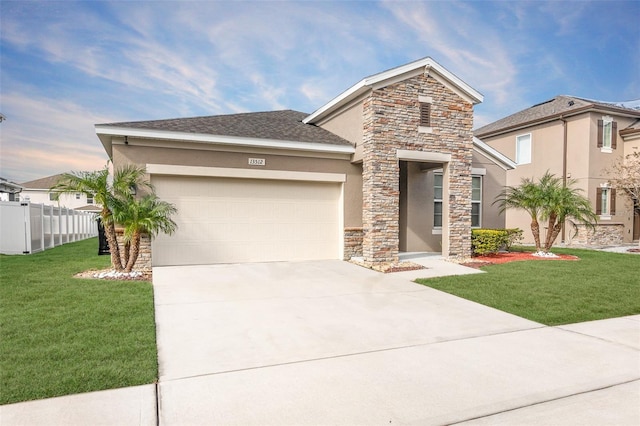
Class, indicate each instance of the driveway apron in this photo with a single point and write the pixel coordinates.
(328, 342)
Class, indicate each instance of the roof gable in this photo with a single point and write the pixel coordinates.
(394, 75)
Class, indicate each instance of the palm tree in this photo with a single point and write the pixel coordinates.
(528, 197)
(547, 199)
(94, 184)
(146, 215)
(565, 202)
(106, 194)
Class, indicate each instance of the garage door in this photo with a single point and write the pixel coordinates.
(229, 220)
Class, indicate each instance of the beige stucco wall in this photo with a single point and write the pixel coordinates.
(348, 124)
(133, 153)
(493, 183)
(586, 163)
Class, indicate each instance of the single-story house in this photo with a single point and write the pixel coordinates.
(389, 165)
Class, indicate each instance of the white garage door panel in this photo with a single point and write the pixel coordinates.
(226, 220)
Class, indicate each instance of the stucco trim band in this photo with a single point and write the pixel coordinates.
(175, 170)
(423, 156)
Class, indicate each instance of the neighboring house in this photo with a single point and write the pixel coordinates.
(579, 139)
(37, 191)
(389, 165)
(9, 191)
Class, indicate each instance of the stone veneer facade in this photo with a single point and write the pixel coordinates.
(352, 242)
(604, 234)
(391, 117)
(143, 263)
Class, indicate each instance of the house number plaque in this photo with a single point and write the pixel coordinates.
(257, 162)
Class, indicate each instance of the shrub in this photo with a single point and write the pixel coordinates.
(486, 241)
(513, 236)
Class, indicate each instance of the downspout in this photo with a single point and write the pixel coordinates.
(564, 163)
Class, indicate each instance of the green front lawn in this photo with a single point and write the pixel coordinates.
(553, 292)
(61, 335)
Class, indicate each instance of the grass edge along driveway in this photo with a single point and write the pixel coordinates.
(61, 335)
(553, 292)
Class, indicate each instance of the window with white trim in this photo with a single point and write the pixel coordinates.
(523, 149)
(53, 196)
(89, 199)
(437, 200)
(476, 201)
(77, 195)
(605, 202)
(607, 129)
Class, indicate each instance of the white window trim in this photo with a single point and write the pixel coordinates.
(518, 162)
(606, 119)
(437, 230)
(607, 215)
(479, 202)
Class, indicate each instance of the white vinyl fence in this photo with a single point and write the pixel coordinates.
(29, 228)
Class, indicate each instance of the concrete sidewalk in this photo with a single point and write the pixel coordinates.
(333, 343)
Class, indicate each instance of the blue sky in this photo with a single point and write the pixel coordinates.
(66, 66)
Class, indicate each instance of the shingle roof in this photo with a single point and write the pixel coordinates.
(42, 183)
(285, 125)
(554, 107)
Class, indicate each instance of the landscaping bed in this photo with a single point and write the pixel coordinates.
(513, 256)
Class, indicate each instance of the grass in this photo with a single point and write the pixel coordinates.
(600, 285)
(61, 335)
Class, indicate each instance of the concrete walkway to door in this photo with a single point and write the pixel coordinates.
(327, 342)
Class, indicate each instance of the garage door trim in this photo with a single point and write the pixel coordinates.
(224, 172)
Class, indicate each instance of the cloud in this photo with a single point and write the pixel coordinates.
(44, 136)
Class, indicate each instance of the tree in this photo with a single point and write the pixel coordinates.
(528, 196)
(94, 184)
(550, 200)
(564, 202)
(147, 214)
(106, 193)
(625, 177)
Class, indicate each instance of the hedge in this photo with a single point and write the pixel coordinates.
(486, 241)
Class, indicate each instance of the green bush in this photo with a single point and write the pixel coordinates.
(486, 241)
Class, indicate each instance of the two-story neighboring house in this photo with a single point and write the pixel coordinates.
(578, 139)
(389, 165)
(38, 192)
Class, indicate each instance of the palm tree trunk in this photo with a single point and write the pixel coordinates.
(135, 249)
(550, 227)
(127, 253)
(553, 235)
(535, 230)
(110, 233)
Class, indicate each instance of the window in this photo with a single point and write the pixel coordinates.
(605, 202)
(476, 201)
(77, 196)
(607, 129)
(437, 200)
(53, 196)
(523, 149)
(89, 199)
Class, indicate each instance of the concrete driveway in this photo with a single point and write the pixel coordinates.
(328, 342)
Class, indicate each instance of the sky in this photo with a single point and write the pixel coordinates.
(66, 66)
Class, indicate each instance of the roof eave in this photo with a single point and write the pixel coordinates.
(105, 133)
(558, 116)
(497, 157)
